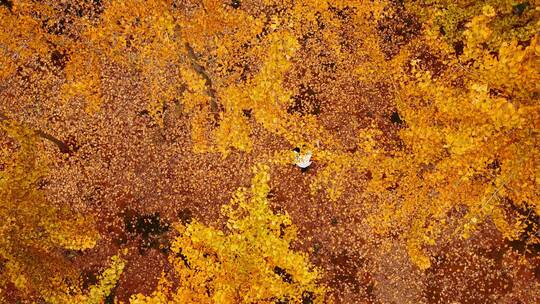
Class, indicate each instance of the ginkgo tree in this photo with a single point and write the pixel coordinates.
(250, 261)
(472, 138)
(32, 229)
(461, 152)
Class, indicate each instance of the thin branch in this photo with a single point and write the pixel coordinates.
(214, 106)
(62, 146)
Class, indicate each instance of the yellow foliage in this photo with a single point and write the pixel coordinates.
(30, 41)
(31, 227)
(97, 293)
(249, 262)
(470, 141)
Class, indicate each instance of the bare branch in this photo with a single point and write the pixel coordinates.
(214, 106)
(62, 146)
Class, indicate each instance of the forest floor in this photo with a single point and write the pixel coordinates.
(138, 178)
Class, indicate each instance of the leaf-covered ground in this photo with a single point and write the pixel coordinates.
(138, 175)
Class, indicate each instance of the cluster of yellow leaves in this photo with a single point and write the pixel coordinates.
(445, 19)
(336, 170)
(249, 262)
(30, 41)
(234, 131)
(137, 35)
(231, 39)
(193, 54)
(471, 134)
(225, 32)
(97, 293)
(66, 233)
(31, 228)
(218, 30)
(263, 95)
(144, 38)
(472, 138)
(83, 79)
(267, 96)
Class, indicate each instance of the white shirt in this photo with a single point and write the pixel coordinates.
(302, 160)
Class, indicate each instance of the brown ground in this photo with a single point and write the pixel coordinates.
(126, 169)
